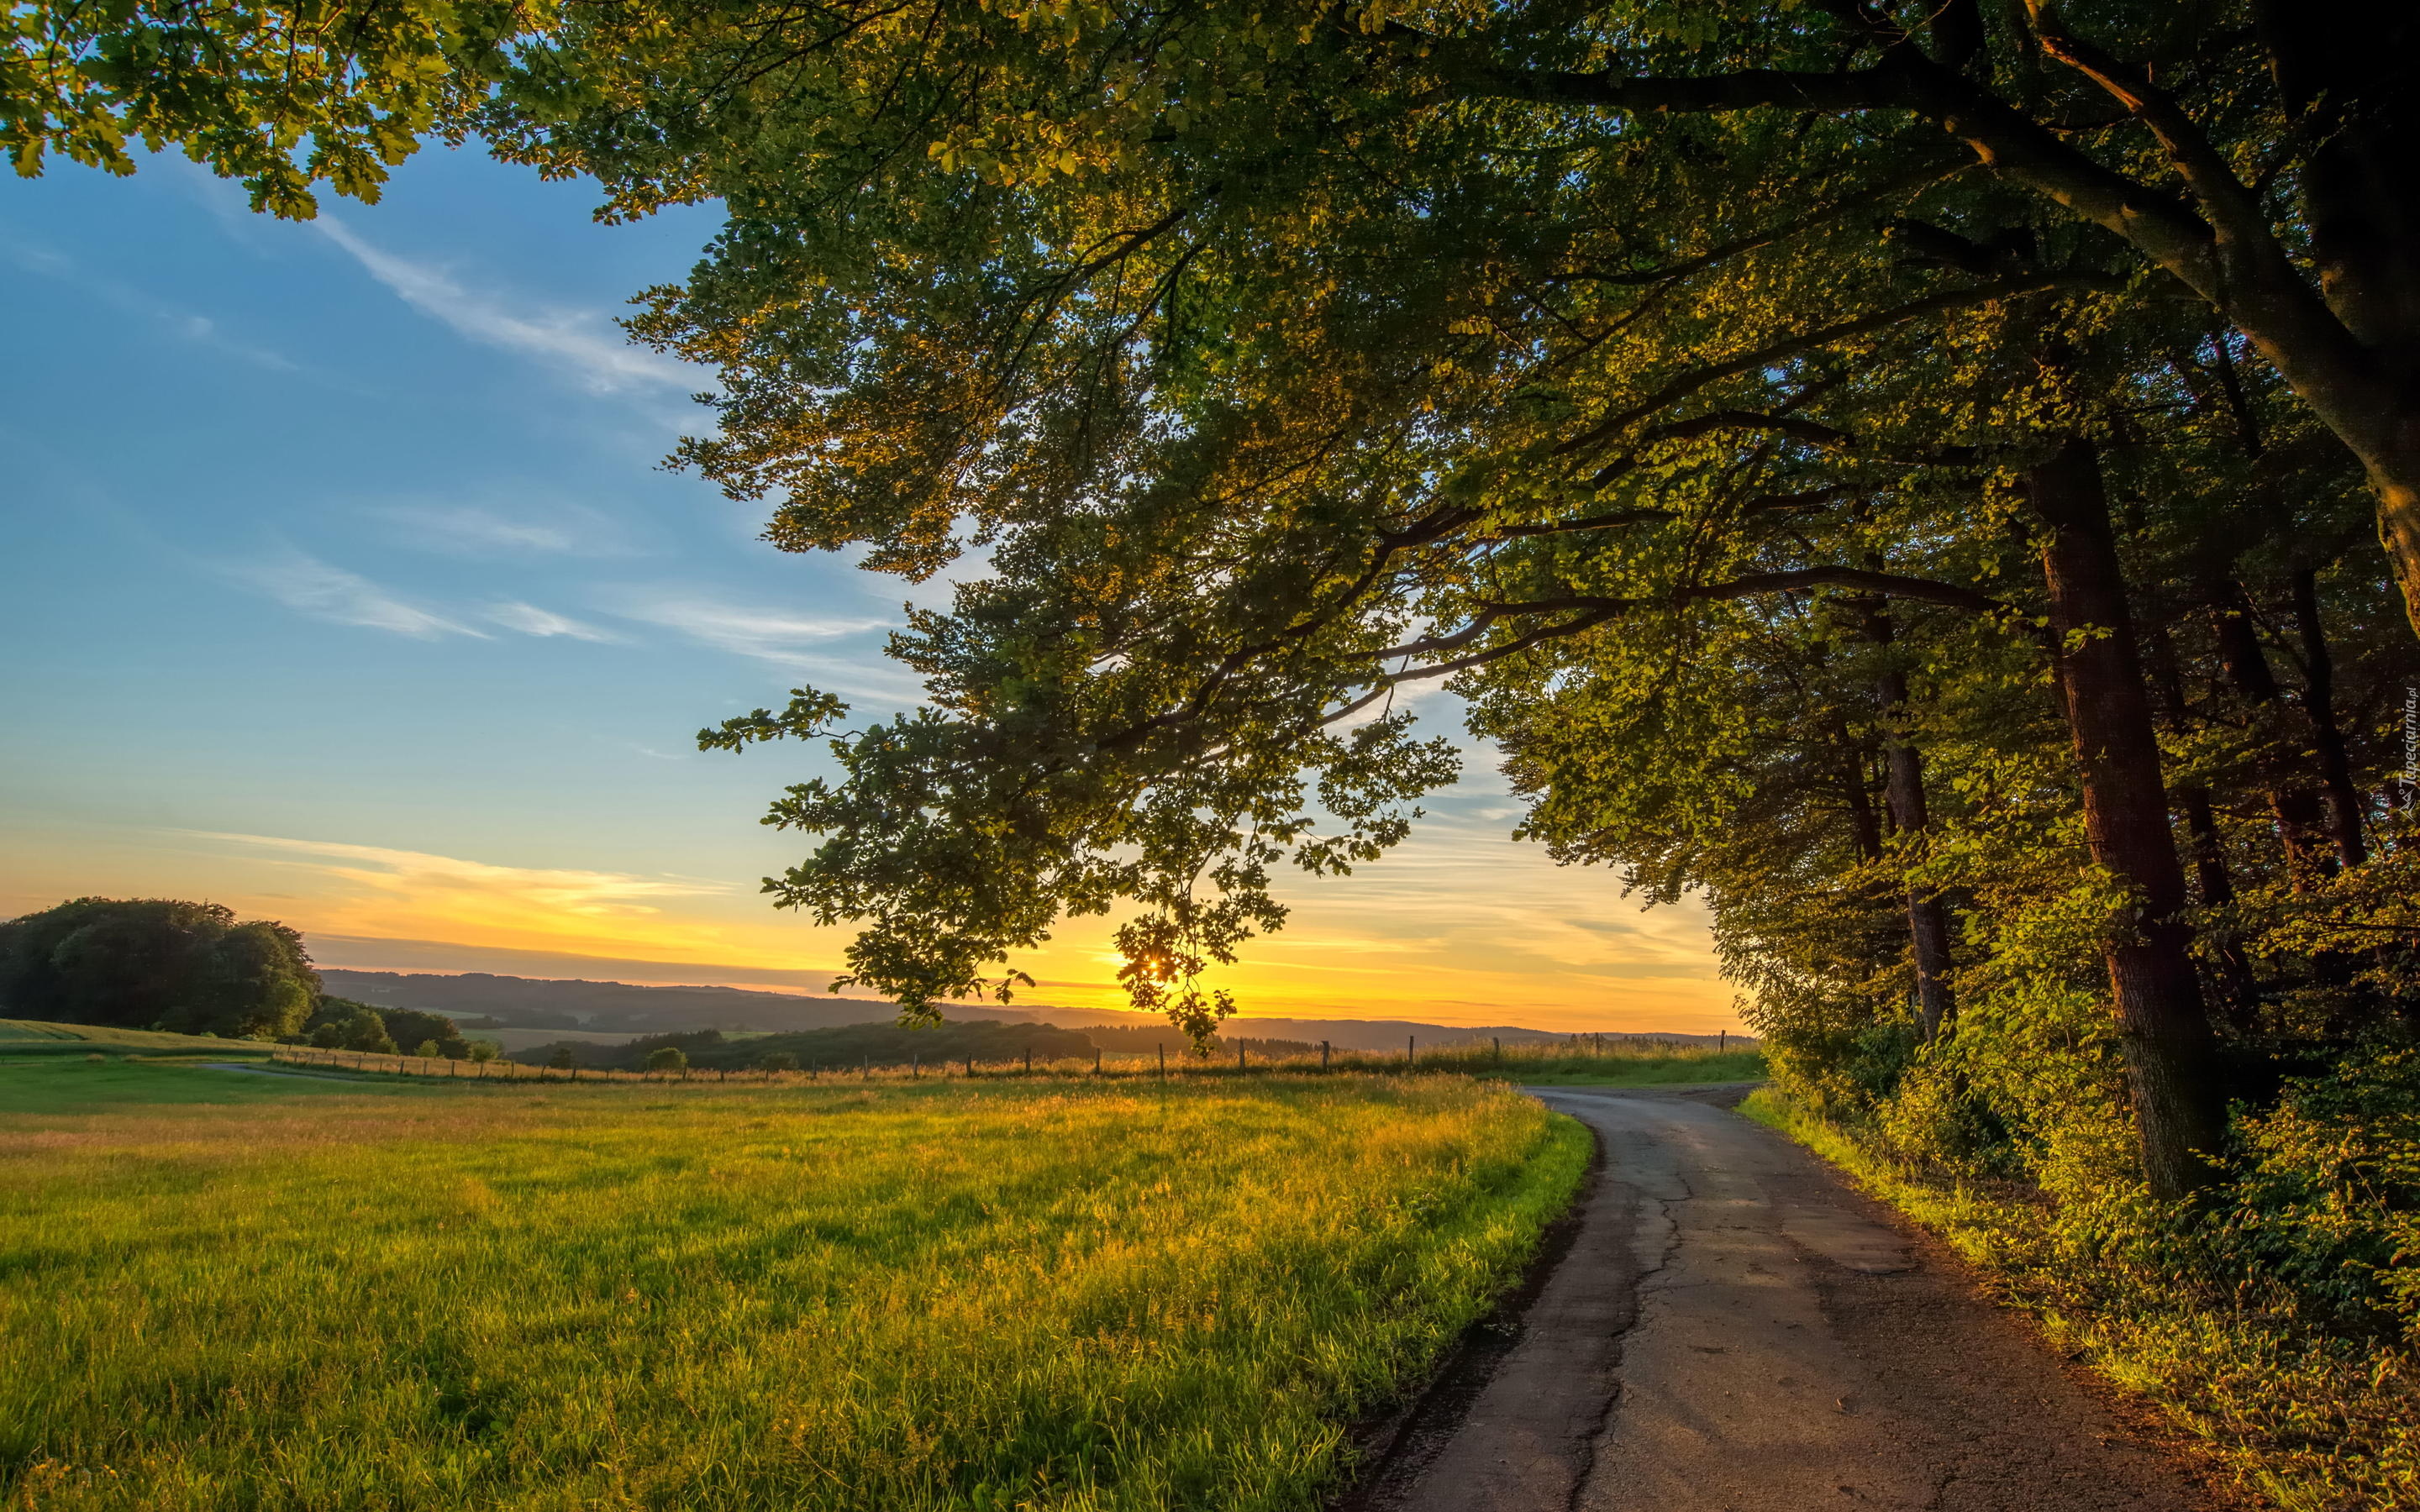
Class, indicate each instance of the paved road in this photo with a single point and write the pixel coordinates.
(1733, 1330)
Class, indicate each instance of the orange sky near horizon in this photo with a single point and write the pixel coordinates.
(1458, 926)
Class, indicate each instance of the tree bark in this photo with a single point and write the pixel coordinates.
(2171, 1057)
(2327, 736)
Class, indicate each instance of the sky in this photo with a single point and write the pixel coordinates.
(342, 583)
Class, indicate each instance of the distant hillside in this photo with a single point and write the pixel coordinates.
(622, 1007)
(614, 1007)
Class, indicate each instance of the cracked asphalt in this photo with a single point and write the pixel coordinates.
(1730, 1328)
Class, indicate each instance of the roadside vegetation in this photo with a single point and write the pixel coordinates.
(319, 1293)
(2274, 1328)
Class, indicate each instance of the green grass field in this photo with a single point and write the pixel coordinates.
(224, 1289)
(24, 1037)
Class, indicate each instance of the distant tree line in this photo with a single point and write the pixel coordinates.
(157, 964)
(880, 1044)
(192, 968)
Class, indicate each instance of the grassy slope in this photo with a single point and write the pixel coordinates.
(26, 1036)
(51, 1085)
(2312, 1430)
(1002, 1294)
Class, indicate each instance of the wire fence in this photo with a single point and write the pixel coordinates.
(1578, 1053)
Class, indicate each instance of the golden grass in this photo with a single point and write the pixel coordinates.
(966, 1295)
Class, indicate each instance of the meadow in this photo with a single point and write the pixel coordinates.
(221, 1288)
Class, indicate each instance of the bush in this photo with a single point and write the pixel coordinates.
(564, 1059)
(485, 1050)
(430, 1050)
(365, 1031)
(776, 1060)
(667, 1058)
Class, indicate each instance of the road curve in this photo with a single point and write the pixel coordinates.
(1733, 1329)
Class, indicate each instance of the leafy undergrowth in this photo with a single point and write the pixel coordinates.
(963, 1296)
(2300, 1391)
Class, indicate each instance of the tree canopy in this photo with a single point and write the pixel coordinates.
(156, 964)
(1857, 460)
(281, 95)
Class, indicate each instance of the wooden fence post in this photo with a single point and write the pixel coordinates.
(1411, 1047)
(1029, 1060)
(1322, 1055)
(1163, 1059)
(1239, 1057)
(1096, 1061)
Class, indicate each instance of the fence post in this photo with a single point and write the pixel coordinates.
(1163, 1060)
(1499, 1043)
(1722, 1041)
(1411, 1047)
(915, 1065)
(1239, 1057)
(1029, 1060)
(865, 1066)
(1096, 1061)
(1322, 1055)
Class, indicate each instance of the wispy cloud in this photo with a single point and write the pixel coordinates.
(307, 585)
(531, 620)
(782, 639)
(582, 343)
(474, 529)
(200, 329)
(801, 645)
(452, 885)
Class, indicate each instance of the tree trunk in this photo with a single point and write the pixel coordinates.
(2291, 803)
(2239, 989)
(2171, 1057)
(2327, 738)
(1928, 917)
(1865, 829)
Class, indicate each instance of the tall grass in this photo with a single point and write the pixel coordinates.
(29, 1037)
(1632, 1064)
(968, 1295)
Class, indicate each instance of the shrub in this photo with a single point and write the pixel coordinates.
(776, 1060)
(667, 1058)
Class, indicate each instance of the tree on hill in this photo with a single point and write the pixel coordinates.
(157, 964)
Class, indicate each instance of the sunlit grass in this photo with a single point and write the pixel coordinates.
(1033, 1294)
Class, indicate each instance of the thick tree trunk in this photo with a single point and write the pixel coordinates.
(2171, 1055)
(1927, 916)
(2327, 736)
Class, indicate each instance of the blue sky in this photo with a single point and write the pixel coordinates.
(343, 585)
